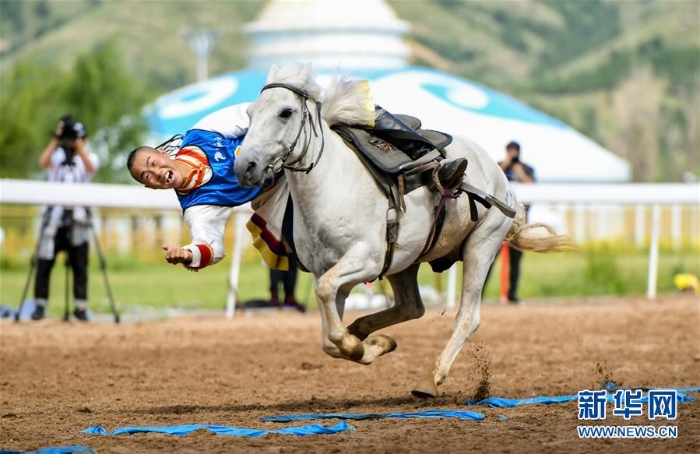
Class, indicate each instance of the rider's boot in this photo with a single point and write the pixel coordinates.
(451, 173)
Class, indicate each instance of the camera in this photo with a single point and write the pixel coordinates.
(70, 131)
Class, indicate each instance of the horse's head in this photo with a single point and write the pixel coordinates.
(280, 124)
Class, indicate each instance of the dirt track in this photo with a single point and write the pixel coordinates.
(57, 379)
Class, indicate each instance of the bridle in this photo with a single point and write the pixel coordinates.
(306, 115)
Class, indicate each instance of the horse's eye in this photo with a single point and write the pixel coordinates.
(286, 113)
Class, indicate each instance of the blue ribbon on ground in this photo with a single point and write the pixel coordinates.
(313, 429)
(499, 402)
(53, 450)
(460, 414)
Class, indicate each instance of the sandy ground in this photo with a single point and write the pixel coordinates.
(59, 378)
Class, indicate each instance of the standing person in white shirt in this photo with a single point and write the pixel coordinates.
(65, 228)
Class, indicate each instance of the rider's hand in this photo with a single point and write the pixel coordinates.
(176, 254)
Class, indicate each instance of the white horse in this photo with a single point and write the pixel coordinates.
(340, 216)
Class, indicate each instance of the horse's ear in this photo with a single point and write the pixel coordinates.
(306, 72)
(272, 74)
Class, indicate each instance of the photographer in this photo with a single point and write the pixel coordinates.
(519, 172)
(65, 228)
(515, 169)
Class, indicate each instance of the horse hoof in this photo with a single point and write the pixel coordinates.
(387, 343)
(353, 349)
(426, 388)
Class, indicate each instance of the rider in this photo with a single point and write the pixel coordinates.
(200, 170)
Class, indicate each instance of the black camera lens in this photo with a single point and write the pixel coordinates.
(68, 132)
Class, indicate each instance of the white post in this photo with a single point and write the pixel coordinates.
(451, 286)
(603, 222)
(580, 222)
(639, 225)
(676, 226)
(239, 227)
(694, 228)
(654, 252)
(564, 213)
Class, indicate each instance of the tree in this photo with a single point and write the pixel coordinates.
(109, 101)
(98, 91)
(636, 130)
(14, 13)
(42, 9)
(29, 96)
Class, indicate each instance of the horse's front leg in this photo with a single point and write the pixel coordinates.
(356, 266)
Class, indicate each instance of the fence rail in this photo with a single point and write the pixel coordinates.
(605, 199)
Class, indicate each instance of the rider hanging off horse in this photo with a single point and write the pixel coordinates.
(199, 167)
(372, 196)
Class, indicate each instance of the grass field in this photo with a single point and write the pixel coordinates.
(152, 283)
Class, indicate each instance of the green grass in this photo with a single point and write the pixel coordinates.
(598, 271)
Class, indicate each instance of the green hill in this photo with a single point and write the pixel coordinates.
(568, 58)
(148, 31)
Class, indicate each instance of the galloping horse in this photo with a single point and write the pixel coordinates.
(340, 216)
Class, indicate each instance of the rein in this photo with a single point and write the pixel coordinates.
(306, 114)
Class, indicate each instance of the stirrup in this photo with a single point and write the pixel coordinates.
(449, 176)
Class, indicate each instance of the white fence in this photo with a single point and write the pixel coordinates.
(554, 201)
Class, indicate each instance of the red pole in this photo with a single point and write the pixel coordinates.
(505, 251)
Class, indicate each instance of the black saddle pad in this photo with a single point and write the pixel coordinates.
(384, 154)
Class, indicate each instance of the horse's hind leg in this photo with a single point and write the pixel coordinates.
(478, 253)
(408, 305)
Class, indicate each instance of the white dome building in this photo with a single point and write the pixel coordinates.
(367, 42)
(353, 34)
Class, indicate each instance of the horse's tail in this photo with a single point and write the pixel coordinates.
(535, 237)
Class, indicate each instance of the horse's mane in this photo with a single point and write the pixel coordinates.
(345, 101)
(349, 102)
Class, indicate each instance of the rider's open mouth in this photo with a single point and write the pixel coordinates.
(169, 176)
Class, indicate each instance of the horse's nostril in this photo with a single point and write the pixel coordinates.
(251, 166)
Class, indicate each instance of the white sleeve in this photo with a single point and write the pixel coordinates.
(207, 225)
(95, 161)
(230, 122)
(57, 158)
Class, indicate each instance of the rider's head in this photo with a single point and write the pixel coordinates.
(154, 168)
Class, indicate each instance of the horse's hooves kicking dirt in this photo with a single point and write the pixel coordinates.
(425, 388)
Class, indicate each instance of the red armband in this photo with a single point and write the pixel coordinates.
(206, 255)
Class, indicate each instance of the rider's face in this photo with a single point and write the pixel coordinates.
(155, 169)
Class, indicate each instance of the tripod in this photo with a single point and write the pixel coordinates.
(35, 260)
(103, 265)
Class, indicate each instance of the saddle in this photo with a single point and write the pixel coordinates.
(395, 146)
